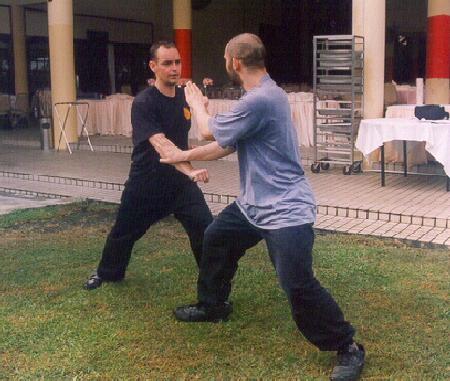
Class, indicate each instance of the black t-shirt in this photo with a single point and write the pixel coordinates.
(152, 113)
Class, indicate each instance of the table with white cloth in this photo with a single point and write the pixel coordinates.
(302, 112)
(406, 111)
(373, 133)
(393, 151)
(110, 116)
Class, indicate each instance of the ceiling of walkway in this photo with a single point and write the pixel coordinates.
(139, 10)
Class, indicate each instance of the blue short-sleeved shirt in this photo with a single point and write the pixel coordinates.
(274, 192)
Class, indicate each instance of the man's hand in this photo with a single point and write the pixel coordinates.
(171, 154)
(167, 150)
(199, 175)
(198, 104)
(194, 96)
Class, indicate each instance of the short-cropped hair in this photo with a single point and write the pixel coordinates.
(249, 49)
(155, 46)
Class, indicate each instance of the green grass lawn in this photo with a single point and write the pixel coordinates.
(51, 329)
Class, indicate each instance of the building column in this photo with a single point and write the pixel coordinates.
(20, 54)
(438, 52)
(62, 64)
(182, 26)
(369, 21)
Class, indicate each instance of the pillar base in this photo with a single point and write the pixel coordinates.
(437, 91)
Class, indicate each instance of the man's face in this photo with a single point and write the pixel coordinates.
(232, 74)
(167, 66)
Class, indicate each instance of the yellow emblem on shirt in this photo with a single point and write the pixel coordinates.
(187, 113)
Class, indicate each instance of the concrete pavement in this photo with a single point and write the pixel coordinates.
(415, 209)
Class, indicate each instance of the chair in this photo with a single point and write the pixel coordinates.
(213, 92)
(44, 101)
(390, 94)
(290, 87)
(232, 92)
(19, 116)
(126, 89)
(4, 110)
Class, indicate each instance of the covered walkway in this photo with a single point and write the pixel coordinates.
(415, 209)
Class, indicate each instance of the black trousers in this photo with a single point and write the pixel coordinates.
(144, 202)
(314, 310)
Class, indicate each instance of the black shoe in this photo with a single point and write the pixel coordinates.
(93, 282)
(200, 312)
(350, 363)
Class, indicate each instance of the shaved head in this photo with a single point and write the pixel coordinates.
(248, 48)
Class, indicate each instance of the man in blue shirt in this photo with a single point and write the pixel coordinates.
(275, 203)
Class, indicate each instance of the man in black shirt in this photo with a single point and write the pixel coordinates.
(154, 190)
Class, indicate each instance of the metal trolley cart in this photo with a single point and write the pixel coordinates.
(338, 100)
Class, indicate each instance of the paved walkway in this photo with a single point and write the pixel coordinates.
(10, 202)
(415, 209)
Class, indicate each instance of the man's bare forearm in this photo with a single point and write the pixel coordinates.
(202, 117)
(171, 154)
(211, 151)
(161, 144)
(197, 102)
(184, 167)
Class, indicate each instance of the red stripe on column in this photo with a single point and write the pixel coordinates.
(183, 41)
(438, 47)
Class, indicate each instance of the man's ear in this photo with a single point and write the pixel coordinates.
(236, 63)
(151, 65)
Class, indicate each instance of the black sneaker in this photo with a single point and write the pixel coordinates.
(93, 282)
(350, 363)
(201, 313)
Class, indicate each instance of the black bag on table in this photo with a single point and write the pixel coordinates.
(430, 112)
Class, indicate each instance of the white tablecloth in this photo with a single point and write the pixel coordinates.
(393, 151)
(302, 112)
(110, 116)
(436, 135)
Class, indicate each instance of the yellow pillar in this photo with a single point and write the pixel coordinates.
(20, 55)
(438, 52)
(62, 67)
(369, 21)
(182, 26)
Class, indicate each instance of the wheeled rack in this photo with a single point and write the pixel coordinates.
(338, 100)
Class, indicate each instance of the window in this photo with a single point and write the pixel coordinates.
(6, 80)
(38, 63)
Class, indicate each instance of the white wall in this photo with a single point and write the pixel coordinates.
(5, 27)
(119, 31)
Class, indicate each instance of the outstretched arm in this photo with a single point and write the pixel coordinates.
(171, 154)
(159, 140)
